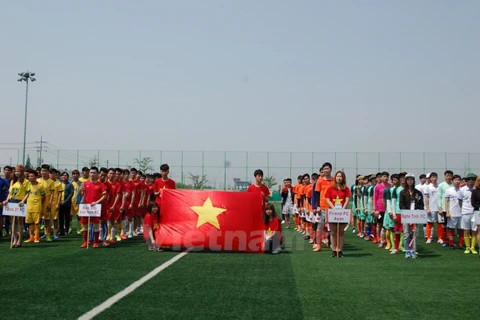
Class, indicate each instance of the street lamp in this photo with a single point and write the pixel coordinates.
(26, 76)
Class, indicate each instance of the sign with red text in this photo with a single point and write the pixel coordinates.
(338, 215)
(414, 216)
(86, 210)
(13, 209)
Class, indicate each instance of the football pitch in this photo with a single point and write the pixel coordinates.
(58, 280)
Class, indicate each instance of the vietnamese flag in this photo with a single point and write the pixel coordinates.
(214, 220)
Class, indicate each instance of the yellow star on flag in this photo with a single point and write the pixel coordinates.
(208, 213)
(338, 201)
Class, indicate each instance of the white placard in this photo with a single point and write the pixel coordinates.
(13, 209)
(476, 217)
(338, 215)
(414, 216)
(86, 210)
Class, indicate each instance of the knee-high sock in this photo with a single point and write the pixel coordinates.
(37, 231)
(462, 238)
(397, 241)
(466, 236)
(374, 231)
(387, 238)
(474, 239)
(451, 242)
(429, 230)
(441, 232)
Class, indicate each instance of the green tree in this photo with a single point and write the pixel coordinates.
(198, 181)
(270, 181)
(28, 163)
(144, 164)
(93, 162)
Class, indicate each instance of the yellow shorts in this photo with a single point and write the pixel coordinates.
(74, 209)
(33, 217)
(46, 214)
(54, 212)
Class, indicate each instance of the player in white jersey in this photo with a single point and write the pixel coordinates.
(288, 198)
(453, 212)
(468, 225)
(430, 193)
(421, 185)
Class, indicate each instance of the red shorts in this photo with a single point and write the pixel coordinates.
(398, 223)
(104, 215)
(95, 220)
(117, 215)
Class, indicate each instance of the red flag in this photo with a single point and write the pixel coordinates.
(215, 220)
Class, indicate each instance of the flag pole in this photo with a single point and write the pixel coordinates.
(88, 231)
(13, 232)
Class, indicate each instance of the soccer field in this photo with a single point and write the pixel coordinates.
(61, 281)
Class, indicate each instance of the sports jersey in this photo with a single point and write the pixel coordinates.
(465, 195)
(432, 192)
(420, 187)
(19, 190)
(94, 191)
(338, 196)
(452, 195)
(378, 197)
(396, 197)
(160, 184)
(442, 188)
(49, 188)
(34, 202)
(322, 187)
(273, 225)
(83, 180)
(76, 186)
(58, 187)
(151, 221)
(308, 196)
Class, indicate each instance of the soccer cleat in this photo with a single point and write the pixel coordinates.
(429, 240)
(362, 235)
(473, 251)
(444, 245)
(70, 231)
(467, 251)
(37, 240)
(277, 250)
(354, 231)
(394, 251)
(43, 236)
(367, 238)
(106, 243)
(124, 237)
(55, 236)
(311, 241)
(375, 241)
(134, 233)
(29, 240)
(288, 226)
(130, 235)
(388, 246)
(95, 245)
(315, 246)
(295, 229)
(380, 245)
(119, 238)
(334, 254)
(112, 241)
(109, 237)
(440, 241)
(283, 221)
(317, 249)
(49, 239)
(84, 245)
(42, 227)
(359, 234)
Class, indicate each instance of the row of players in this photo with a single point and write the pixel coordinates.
(124, 195)
(376, 205)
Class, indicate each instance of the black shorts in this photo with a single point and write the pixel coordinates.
(379, 218)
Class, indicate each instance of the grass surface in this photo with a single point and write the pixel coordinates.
(59, 280)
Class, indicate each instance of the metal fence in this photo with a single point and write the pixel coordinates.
(221, 167)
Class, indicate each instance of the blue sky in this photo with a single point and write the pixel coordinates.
(243, 75)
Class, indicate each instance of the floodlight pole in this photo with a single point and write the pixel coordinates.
(25, 76)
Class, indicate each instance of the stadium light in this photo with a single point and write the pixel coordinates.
(25, 76)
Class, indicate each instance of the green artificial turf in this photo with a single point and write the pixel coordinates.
(59, 280)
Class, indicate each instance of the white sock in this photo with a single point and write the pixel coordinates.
(130, 226)
(124, 226)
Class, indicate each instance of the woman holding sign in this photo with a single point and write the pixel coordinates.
(410, 199)
(18, 193)
(337, 197)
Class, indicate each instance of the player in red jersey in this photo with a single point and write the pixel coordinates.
(164, 182)
(258, 186)
(139, 187)
(117, 207)
(93, 193)
(141, 203)
(110, 203)
(103, 218)
(126, 202)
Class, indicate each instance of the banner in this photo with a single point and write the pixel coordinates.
(86, 210)
(13, 209)
(414, 216)
(213, 220)
(338, 215)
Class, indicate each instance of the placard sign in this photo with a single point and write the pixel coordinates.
(414, 216)
(338, 215)
(13, 209)
(86, 210)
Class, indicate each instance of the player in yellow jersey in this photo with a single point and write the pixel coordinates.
(85, 175)
(76, 183)
(36, 198)
(47, 205)
(57, 195)
(18, 193)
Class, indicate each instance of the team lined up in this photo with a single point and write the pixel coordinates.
(127, 198)
(376, 205)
